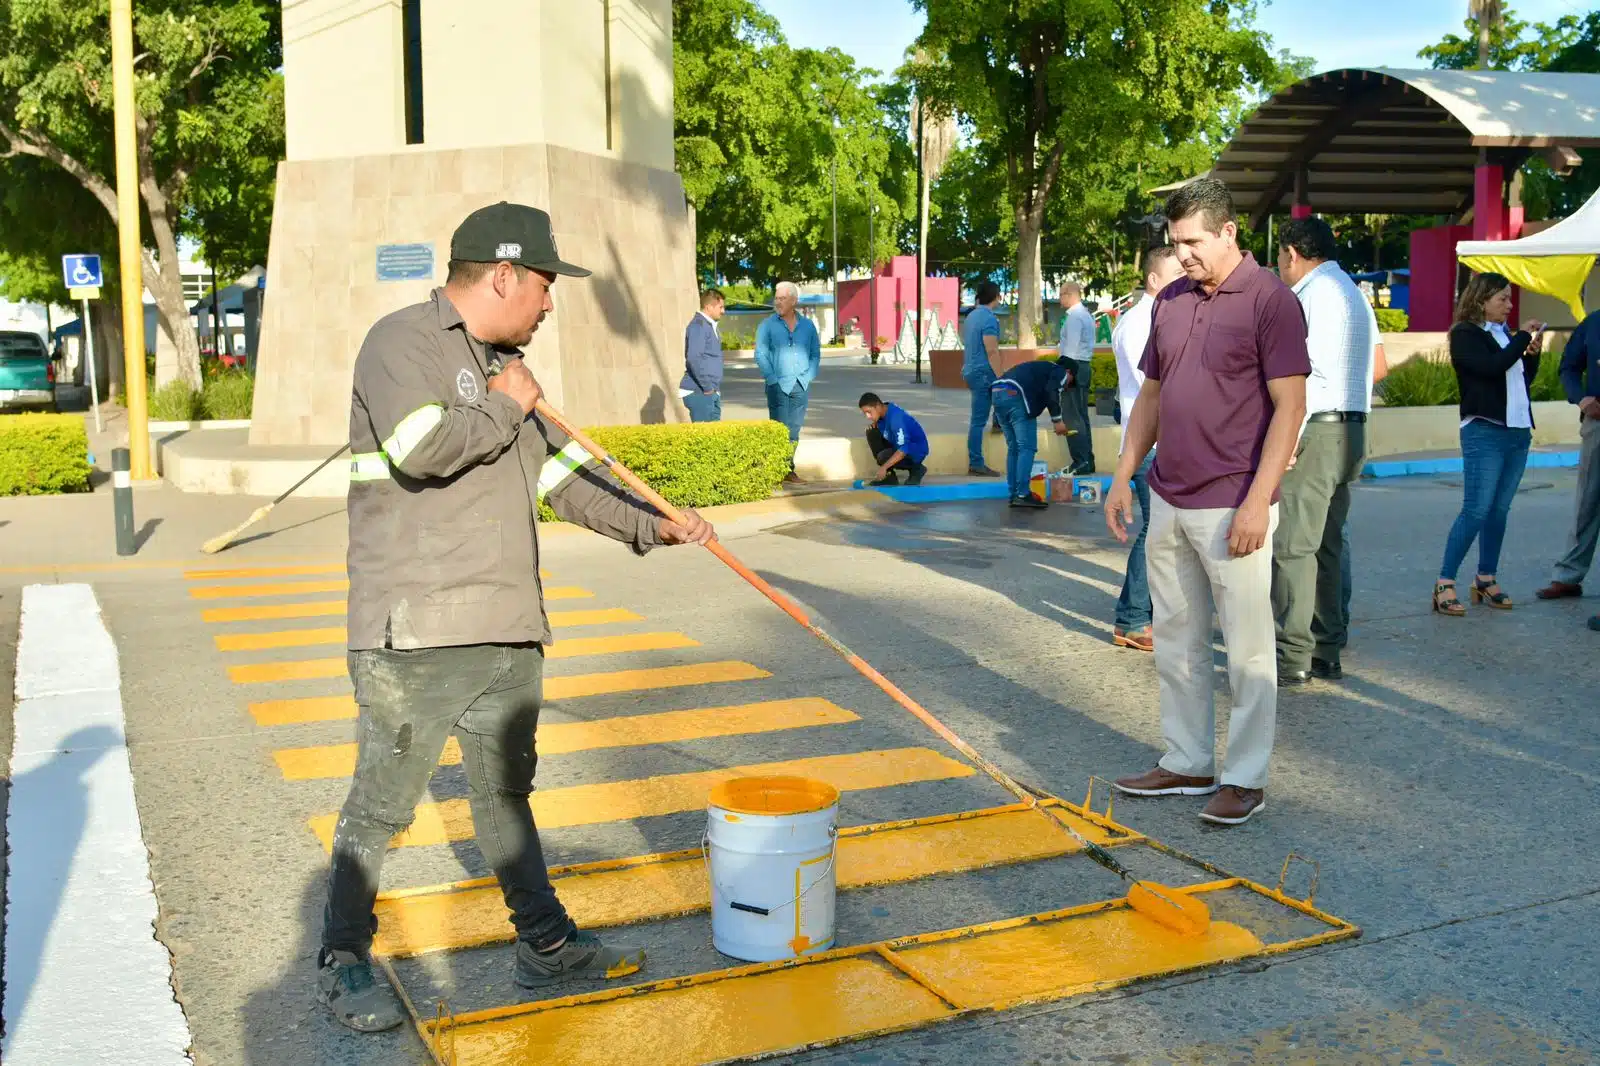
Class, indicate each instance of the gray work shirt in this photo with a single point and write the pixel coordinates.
(445, 477)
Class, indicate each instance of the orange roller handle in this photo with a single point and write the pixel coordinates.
(792, 609)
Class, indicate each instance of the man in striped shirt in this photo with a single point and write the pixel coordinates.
(1306, 549)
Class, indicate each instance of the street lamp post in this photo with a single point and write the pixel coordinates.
(837, 325)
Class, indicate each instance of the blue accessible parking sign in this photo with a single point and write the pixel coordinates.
(81, 271)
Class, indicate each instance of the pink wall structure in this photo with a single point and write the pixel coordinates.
(1433, 276)
(879, 305)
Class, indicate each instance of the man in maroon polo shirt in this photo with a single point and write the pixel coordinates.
(1223, 399)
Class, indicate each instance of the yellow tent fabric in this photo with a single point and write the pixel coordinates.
(1561, 276)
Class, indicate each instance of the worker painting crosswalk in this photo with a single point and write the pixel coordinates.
(279, 634)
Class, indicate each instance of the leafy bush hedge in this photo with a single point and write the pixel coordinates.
(226, 395)
(700, 465)
(1103, 370)
(43, 455)
(1392, 320)
(1429, 381)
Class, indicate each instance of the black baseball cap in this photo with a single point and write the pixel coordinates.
(511, 233)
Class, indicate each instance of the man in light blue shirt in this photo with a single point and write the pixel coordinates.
(982, 343)
(1077, 344)
(789, 353)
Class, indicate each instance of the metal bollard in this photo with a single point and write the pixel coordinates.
(122, 501)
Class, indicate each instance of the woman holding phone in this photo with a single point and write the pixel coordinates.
(1494, 368)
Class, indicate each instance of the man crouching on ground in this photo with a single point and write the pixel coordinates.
(446, 615)
(896, 441)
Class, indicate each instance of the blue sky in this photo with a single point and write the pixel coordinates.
(1345, 33)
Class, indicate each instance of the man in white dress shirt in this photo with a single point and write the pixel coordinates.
(1077, 344)
(1128, 340)
(1306, 549)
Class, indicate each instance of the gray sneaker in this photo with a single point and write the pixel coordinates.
(347, 985)
(583, 956)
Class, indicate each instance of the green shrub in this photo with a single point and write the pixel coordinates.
(1426, 380)
(43, 455)
(175, 401)
(1547, 383)
(228, 395)
(1103, 370)
(700, 465)
(1392, 320)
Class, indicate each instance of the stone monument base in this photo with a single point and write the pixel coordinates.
(611, 354)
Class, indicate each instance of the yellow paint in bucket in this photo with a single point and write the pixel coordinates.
(771, 845)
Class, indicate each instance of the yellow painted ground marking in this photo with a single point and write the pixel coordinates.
(273, 612)
(1051, 959)
(302, 638)
(264, 571)
(651, 888)
(286, 588)
(563, 738)
(571, 648)
(616, 801)
(847, 993)
(567, 592)
(332, 708)
(823, 1002)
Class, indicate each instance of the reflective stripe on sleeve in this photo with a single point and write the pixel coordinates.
(411, 430)
(369, 466)
(561, 466)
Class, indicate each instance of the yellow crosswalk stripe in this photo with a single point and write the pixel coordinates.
(333, 708)
(301, 638)
(286, 588)
(563, 738)
(273, 612)
(655, 887)
(264, 571)
(571, 648)
(619, 801)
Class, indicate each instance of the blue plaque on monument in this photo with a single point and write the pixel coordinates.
(405, 262)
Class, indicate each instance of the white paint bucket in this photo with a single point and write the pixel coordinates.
(771, 845)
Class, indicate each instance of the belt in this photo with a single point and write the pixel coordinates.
(1338, 416)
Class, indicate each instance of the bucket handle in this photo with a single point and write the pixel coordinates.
(833, 855)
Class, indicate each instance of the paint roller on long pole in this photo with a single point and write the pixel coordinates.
(1174, 909)
(217, 543)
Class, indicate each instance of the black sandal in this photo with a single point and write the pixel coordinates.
(1445, 601)
(1490, 593)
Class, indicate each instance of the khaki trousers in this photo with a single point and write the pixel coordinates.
(1191, 573)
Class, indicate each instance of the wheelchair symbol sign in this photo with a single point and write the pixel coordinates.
(81, 271)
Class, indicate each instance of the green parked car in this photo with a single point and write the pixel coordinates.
(27, 376)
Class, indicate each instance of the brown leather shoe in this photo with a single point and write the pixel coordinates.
(1234, 805)
(1560, 590)
(1137, 639)
(1163, 782)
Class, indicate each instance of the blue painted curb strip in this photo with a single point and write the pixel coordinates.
(1452, 465)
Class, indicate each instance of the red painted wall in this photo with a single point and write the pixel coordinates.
(895, 292)
(1433, 276)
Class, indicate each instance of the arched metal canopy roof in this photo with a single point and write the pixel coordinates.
(1402, 141)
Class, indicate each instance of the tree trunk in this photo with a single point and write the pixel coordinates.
(1483, 42)
(172, 322)
(1030, 282)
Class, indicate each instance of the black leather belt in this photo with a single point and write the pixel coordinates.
(1338, 416)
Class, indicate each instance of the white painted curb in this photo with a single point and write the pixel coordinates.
(87, 982)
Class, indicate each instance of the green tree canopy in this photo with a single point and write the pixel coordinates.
(759, 128)
(209, 126)
(1064, 90)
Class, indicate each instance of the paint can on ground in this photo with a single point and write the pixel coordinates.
(771, 845)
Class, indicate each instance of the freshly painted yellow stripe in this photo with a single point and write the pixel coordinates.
(333, 708)
(847, 993)
(615, 801)
(567, 592)
(264, 571)
(301, 638)
(571, 648)
(652, 888)
(273, 612)
(638, 730)
(287, 588)
(288, 638)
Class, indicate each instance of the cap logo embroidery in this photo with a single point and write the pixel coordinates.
(508, 250)
(467, 386)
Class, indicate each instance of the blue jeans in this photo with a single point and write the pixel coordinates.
(1493, 458)
(979, 382)
(1022, 439)
(788, 407)
(1133, 606)
(703, 408)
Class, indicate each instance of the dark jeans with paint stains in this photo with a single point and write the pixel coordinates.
(486, 696)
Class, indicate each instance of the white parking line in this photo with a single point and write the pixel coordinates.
(85, 976)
